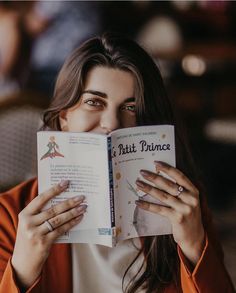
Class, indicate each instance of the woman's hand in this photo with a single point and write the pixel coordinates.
(182, 207)
(35, 236)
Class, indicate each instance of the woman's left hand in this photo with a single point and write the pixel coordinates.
(182, 207)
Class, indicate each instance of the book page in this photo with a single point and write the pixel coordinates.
(134, 149)
(81, 158)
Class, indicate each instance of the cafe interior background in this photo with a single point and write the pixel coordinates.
(193, 43)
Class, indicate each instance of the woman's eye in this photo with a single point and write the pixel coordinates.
(93, 103)
(130, 108)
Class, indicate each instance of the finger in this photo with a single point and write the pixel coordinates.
(57, 209)
(155, 208)
(64, 228)
(63, 218)
(161, 183)
(39, 202)
(167, 199)
(189, 199)
(176, 174)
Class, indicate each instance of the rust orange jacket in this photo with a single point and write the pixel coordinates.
(209, 275)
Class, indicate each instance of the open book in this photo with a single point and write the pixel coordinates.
(104, 169)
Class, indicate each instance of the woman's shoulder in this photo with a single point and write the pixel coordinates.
(19, 196)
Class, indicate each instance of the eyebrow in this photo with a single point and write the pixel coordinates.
(104, 95)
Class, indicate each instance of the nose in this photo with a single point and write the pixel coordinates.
(109, 121)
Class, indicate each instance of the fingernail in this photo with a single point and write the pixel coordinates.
(140, 183)
(84, 204)
(158, 164)
(64, 183)
(141, 203)
(77, 219)
(81, 208)
(78, 198)
(138, 203)
(145, 173)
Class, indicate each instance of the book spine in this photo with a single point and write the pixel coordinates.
(111, 184)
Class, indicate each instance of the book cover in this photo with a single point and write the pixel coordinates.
(104, 169)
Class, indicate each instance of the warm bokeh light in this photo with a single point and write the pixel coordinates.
(193, 65)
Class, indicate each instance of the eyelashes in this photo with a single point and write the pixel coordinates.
(94, 102)
(99, 104)
(130, 108)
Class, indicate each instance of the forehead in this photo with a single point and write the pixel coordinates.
(110, 81)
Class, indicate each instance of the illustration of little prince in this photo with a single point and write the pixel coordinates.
(52, 149)
(143, 221)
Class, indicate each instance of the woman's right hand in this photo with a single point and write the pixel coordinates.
(34, 239)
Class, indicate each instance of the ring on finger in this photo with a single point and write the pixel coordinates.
(180, 190)
(49, 226)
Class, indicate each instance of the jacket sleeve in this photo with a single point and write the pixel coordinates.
(8, 225)
(209, 274)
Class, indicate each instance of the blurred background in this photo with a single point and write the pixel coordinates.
(193, 43)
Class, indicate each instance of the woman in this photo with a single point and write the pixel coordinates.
(109, 83)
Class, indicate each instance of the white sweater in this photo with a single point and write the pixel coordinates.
(100, 269)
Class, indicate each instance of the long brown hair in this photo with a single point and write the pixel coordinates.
(153, 107)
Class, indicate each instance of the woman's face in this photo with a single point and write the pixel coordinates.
(107, 103)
